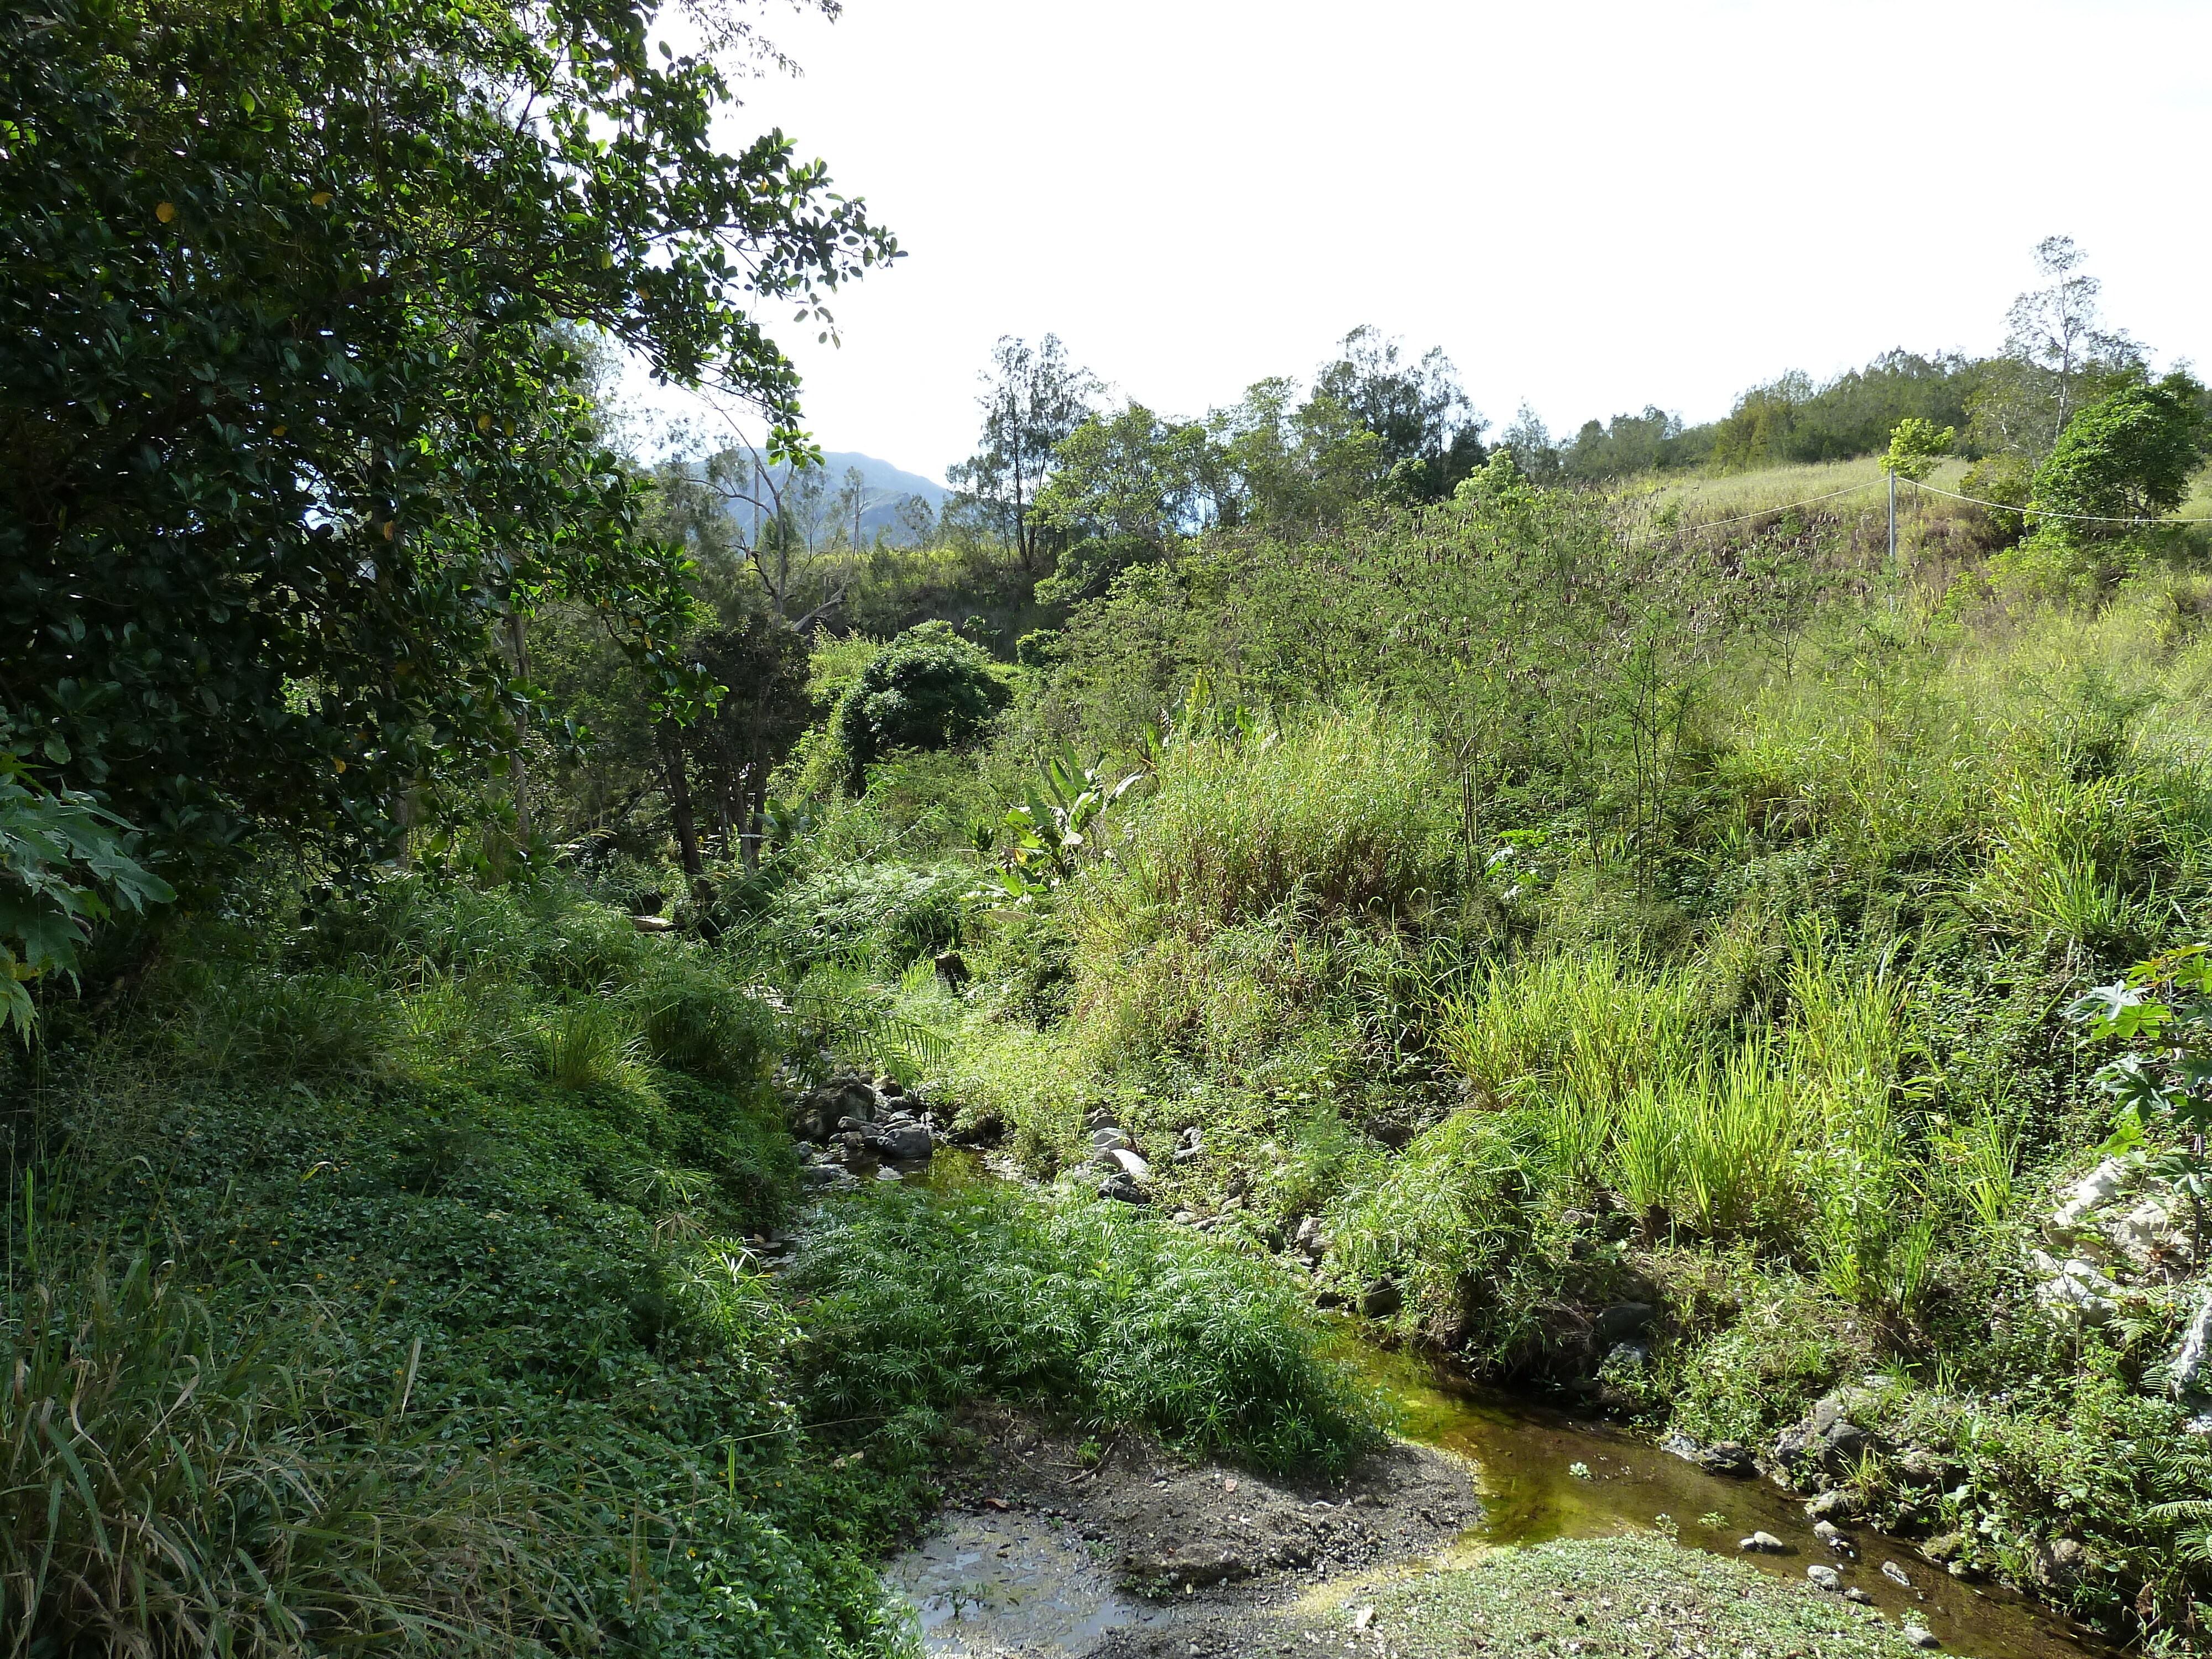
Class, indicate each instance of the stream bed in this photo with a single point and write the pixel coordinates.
(988, 1585)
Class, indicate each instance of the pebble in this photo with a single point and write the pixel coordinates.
(1896, 1575)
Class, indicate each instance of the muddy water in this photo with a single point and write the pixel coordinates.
(1532, 1489)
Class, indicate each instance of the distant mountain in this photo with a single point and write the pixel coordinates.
(888, 488)
(880, 475)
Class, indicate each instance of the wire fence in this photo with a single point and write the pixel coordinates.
(1878, 482)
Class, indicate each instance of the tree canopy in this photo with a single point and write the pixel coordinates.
(295, 316)
(2128, 455)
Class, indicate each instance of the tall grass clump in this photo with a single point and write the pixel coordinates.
(2058, 857)
(1845, 1046)
(1584, 1027)
(592, 1042)
(307, 1025)
(165, 1487)
(1345, 810)
(1713, 1149)
(693, 1019)
(921, 1302)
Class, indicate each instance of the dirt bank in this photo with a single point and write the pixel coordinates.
(1147, 1551)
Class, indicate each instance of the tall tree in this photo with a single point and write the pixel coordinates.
(2057, 356)
(1033, 399)
(1432, 436)
(293, 411)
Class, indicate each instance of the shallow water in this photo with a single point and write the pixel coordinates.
(984, 1585)
(1531, 1492)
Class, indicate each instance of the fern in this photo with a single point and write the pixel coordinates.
(842, 1011)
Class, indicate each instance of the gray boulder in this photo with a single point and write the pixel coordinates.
(907, 1140)
(1380, 1299)
(1725, 1457)
(1620, 1322)
(1121, 1188)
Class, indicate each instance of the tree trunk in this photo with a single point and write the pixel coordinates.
(514, 628)
(755, 811)
(679, 804)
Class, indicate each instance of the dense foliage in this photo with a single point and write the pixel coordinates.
(292, 391)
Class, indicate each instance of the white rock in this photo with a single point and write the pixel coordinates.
(2075, 1290)
(1130, 1165)
(1826, 1577)
(1920, 1636)
(2187, 1371)
(2156, 1228)
(2099, 1186)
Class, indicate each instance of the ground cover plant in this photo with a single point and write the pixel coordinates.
(422, 1302)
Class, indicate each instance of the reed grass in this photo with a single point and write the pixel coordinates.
(168, 1486)
(592, 1042)
(1343, 811)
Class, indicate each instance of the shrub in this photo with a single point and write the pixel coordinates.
(927, 688)
(2128, 455)
(891, 913)
(1087, 1308)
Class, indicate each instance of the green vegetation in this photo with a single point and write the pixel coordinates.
(1617, 1595)
(398, 1277)
(1615, 927)
(318, 504)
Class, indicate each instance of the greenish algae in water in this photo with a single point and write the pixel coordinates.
(1544, 1477)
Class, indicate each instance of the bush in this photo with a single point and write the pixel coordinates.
(891, 913)
(1089, 1309)
(928, 688)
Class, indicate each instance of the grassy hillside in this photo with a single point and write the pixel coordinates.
(1627, 956)
(1570, 921)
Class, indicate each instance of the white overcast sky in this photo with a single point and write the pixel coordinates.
(1591, 206)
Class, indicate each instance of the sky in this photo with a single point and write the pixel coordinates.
(1591, 207)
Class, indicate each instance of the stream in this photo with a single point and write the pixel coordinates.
(1542, 1475)
(1528, 1456)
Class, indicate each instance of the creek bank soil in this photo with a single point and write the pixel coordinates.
(1153, 1554)
(1148, 1552)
